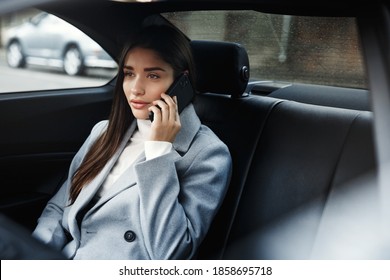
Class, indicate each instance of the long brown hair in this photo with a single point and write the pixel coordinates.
(173, 47)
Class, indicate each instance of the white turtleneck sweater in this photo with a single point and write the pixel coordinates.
(137, 144)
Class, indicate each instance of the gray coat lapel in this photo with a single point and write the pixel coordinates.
(88, 192)
(190, 125)
(125, 181)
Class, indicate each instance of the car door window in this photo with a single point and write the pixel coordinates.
(302, 49)
(39, 51)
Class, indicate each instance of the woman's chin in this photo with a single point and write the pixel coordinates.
(140, 114)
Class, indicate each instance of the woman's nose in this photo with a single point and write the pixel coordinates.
(137, 87)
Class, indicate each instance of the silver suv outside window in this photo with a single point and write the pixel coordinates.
(39, 51)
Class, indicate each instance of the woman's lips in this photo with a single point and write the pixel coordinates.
(137, 104)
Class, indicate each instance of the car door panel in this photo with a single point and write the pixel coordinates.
(42, 133)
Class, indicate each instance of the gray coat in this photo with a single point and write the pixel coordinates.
(158, 209)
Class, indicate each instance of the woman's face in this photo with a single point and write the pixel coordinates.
(146, 77)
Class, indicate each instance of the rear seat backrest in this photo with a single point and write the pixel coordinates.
(292, 166)
(303, 152)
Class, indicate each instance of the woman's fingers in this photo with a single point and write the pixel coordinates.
(172, 106)
(167, 106)
(166, 122)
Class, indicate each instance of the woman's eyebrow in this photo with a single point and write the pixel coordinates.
(147, 69)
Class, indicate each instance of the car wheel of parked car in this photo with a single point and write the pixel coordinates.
(15, 56)
(73, 61)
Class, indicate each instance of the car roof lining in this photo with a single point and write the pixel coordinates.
(298, 7)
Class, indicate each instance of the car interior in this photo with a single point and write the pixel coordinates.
(295, 146)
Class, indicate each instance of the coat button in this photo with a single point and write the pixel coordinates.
(129, 236)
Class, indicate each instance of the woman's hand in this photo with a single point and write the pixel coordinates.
(166, 123)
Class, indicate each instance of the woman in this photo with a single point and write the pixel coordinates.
(139, 189)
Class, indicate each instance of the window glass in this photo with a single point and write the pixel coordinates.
(285, 48)
(39, 51)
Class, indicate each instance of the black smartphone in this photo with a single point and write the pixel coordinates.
(183, 90)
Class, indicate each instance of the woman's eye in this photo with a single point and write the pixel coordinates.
(153, 76)
(128, 73)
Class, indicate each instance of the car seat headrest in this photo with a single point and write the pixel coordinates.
(221, 67)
